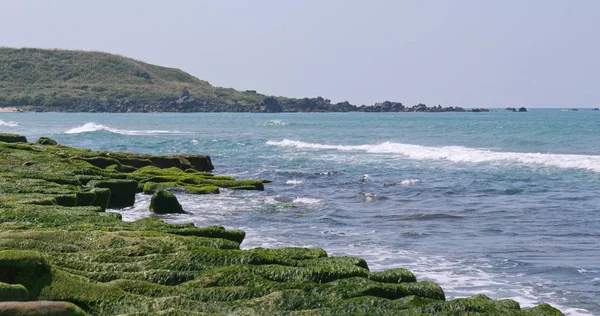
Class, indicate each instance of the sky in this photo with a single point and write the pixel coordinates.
(469, 53)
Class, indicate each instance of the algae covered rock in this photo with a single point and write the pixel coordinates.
(46, 141)
(12, 138)
(164, 202)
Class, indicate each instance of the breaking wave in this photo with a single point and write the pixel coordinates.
(93, 127)
(458, 154)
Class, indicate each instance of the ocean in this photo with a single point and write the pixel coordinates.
(500, 203)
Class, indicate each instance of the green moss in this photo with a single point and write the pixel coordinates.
(164, 202)
(393, 276)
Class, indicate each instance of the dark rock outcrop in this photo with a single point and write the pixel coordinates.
(190, 103)
(523, 109)
(199, 162)
(271, 105)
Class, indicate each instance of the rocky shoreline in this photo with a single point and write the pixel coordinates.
(62, 253)
(187, 103)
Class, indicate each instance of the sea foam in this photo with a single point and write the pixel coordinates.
(457, 154)
(93, 127)
(306, 200)
(9, 123)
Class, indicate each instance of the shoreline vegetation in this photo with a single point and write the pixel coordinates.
(52, 80)
(58, 243)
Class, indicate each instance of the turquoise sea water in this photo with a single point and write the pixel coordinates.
(501, 203)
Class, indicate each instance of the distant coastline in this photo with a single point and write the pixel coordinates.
(53, 80)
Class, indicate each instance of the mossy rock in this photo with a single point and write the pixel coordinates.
(46, 141)
(164, 202)
(28, 268)
(13, 292)
(12, 138)
(122, 192)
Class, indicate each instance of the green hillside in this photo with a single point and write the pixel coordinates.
(63, 78)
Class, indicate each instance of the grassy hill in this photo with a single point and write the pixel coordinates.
(65, 78)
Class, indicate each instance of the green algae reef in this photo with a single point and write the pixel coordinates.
(58, 244)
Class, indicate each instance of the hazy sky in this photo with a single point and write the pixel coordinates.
(470, 53)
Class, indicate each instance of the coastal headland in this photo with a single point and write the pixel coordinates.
(52, 80)
(59, 243)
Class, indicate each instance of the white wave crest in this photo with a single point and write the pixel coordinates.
(93, 127)
(294, 182)
(458, 154)
(9, 123)
(275, 123)
(306, 200)
(410, 182)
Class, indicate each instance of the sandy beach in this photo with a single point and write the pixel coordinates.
(10, 109)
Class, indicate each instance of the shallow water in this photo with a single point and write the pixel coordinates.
(500, 203)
